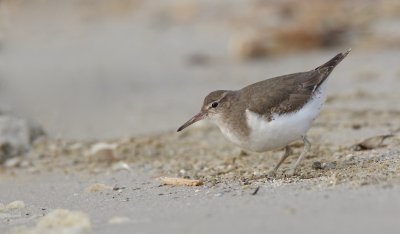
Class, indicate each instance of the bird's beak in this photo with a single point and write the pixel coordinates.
(193, 120)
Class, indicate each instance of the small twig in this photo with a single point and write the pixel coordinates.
(180, 181)
(255, 191)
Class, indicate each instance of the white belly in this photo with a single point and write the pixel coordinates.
(282, 130)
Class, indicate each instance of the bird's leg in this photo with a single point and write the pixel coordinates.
(307, 146)
(288, 151)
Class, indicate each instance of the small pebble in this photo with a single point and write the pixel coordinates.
(102, 152)
(15, 205)
(119, 166)
(182, 171)
(119, 220)
(329, 165)
(98, 188)
(12, 162)
(63, 221)
(371, 143)
(317, 165)
(2, 207)
(349, 157)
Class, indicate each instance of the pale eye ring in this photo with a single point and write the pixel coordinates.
(214, 104)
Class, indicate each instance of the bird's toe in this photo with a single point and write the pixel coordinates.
(271, 174)
(291, 173)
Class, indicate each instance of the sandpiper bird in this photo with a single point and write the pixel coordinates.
(272, 113)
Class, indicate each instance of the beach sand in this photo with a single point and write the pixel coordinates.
(111, 102)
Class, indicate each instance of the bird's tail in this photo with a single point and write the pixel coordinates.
(331, 64)
(326, 69)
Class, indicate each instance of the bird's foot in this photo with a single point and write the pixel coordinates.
(292, 172)
(271, 175)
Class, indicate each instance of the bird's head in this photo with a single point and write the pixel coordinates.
(215, 103)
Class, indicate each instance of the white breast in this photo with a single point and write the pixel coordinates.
(282, 130)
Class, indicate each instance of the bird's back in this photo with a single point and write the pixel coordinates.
(288, 93)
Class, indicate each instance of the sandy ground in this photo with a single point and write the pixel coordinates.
(354, 191)
(280, 208)
(134, 119)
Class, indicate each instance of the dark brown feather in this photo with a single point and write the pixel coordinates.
(288, 93)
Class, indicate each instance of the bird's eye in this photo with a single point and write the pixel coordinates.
(214, 104)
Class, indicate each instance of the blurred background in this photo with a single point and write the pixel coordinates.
(101, 69)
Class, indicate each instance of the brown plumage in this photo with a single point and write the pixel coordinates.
(295, 89)
(256, 116)
(278, 95)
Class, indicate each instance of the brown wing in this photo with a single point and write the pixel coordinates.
(282, 94)
(285, 94)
